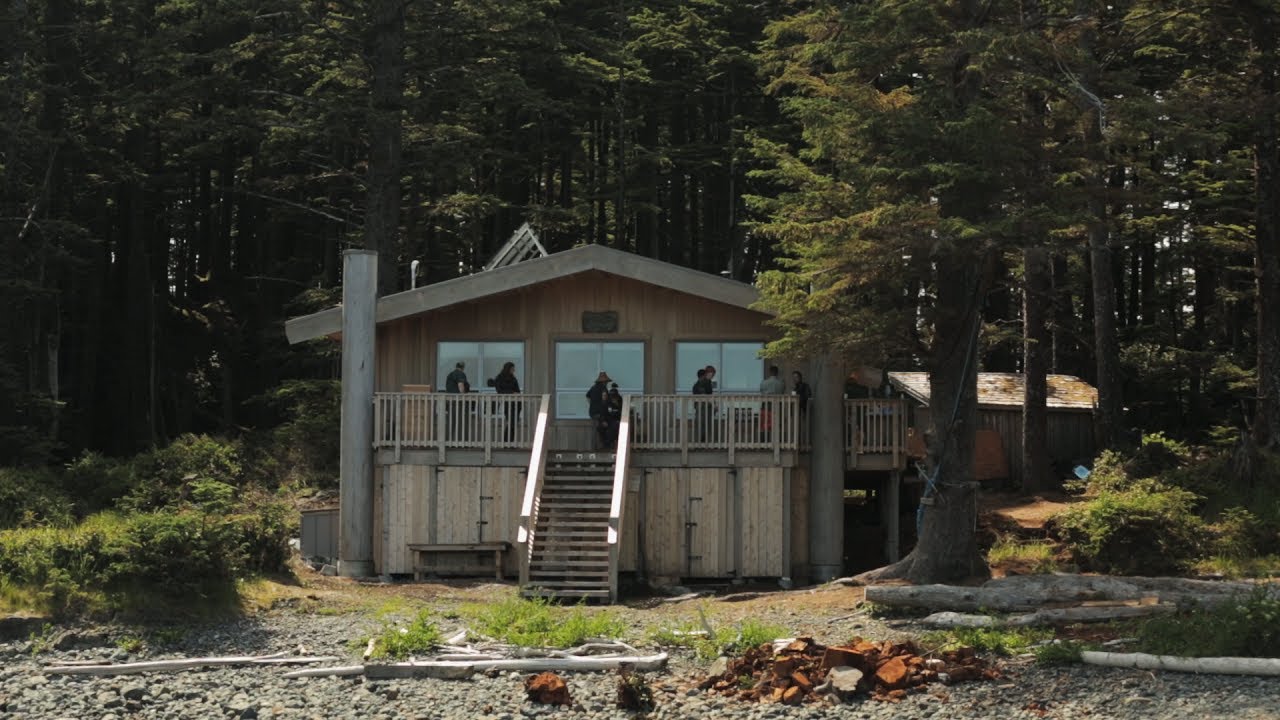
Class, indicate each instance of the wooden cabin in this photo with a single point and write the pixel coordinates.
(730, 485)
(1070, 404)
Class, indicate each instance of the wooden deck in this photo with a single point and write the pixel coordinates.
(665, 430)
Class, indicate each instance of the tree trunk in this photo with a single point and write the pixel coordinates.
(1266, 419)
(382, 214)
(1036, 301)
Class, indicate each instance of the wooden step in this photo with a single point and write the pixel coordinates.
(570, 551)
(595, 534)
(535, 592)
(604, 563)
(599, 576)
(585, 584)
(570, 505)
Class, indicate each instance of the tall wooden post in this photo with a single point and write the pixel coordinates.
(826, 480)
(359, 324)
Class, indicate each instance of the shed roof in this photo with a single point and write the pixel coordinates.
(1004, 390)
(532, 272)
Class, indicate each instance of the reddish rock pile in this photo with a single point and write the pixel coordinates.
(547, 688)
(804, 671)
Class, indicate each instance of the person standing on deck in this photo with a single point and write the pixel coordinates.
(506, 384)
(771, 385)
(702, 410)
(598, 408)
(801, 390)
(456, 381)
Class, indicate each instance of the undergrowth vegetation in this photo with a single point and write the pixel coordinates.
(1247, 627)
(1001, 641)
(709, 641)
(1035, 556)
(400, 640)
(170, 530)
(1164, 508)
(537, 622)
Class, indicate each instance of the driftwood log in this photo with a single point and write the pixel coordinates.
(1049, 616)
(1031, 592)
(1213, 665)
(457, 669)
(183, 664)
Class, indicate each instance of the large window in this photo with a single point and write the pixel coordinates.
(484, 361)
(739, 368)
(578, 364)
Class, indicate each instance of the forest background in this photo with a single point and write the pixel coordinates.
(179, 177)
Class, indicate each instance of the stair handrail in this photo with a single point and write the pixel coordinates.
(621, 470)
(533, 488)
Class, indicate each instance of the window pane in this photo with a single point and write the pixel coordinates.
(449, 354)
(624, 361)
(577, 364)
(571, 404)
(497, 354)
(692, 357)
(743, 369)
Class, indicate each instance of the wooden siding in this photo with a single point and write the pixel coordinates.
(541, 315)
(764, 518)
(1070, 435)
(421, 504)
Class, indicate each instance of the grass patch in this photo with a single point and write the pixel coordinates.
(398, 641)
(893, 612)
(1001, 641)
(1059, 652)
(1035, 556)
(708, 642)
(1233, 566)
(1248, 627)
(537, 622)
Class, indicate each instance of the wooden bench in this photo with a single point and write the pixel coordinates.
(420, 553)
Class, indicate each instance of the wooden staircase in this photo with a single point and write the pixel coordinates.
(570, 556)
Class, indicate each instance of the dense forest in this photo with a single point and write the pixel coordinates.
(1093, 187)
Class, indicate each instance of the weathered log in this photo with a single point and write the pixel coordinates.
(340, 671)
(1211, 665)
(1031, 592)
(1048, 616)
(168, 665)
(457, 669)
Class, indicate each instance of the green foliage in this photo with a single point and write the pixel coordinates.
(1256, 566)
(1034, 556)
(1238, 533)
(708, 642)
(1156, 455)
(32, 497)
(537, 622)
(1149, 529)
(1244, 627)
(1059, 652)
(303, 449)
(399, 641)
(1001, 641)
(164, 476)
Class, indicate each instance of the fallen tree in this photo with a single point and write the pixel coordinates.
(458, 669)
(183, 664)
(1032, 592)
(1049, 616)
(1210, 665)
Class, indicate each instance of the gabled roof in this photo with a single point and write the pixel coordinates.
(1004, 390)
(532, 272)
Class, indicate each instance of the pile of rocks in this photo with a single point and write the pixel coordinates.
(803, 670)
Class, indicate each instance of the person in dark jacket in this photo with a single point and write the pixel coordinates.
(505, 383)
(613, 416)
(456, 381)
(598, 408)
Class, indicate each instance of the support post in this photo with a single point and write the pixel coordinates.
(892, 490)
(826, 480)
(359, 327)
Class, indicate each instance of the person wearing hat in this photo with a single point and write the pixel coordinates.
(598, 408)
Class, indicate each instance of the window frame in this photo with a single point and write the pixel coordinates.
(480, 384)
(684, 386)
(557, 390)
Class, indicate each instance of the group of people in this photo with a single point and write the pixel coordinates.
(504, 383)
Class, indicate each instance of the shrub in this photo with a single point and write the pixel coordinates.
(1246, 627)
(719, 641)
(163, 477)
(401, 641)
(1151, 528)
(1001, 641)
(303, 449)
(32, 497)
(1031, 556)
(538, 623)
(1155, 455)
(95, 482)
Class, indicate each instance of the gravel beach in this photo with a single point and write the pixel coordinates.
(1026, 690)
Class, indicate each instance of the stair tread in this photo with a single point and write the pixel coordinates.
(572, 583)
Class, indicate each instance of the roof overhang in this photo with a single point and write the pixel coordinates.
(533, 272)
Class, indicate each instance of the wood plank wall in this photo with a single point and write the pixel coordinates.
(1070, 435)
(740, 524)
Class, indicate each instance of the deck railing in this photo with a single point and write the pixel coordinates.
(617, 503)
(875, 426)
(715, 422)
(533, 487)
(482, 421)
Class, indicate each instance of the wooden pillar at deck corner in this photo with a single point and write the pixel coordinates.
(826, 478)
(359, 325)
